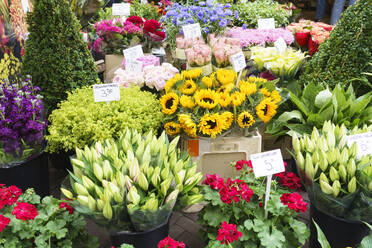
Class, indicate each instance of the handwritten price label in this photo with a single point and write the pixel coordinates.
(191, 30)
(121, 9)
(363, 141)
(238, 61)
(25, 6)
(267, 23)
(158, 51)
(133, 53)
(280, 45)
(133, 65)
(267, 163)
(106, 92)
(144, 2)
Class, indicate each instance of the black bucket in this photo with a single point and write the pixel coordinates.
(32, 173)
(339, 232)
(148, 239)
(61, 160)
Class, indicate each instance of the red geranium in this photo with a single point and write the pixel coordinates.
(240, 164)
(214, 181)
(168, 242)
(228, 233)
(136, 20)
(69, 208)
(4, 222)
(25, 211)
(234, 190)
(151, 26)
(289, 180)
(294, 201)
(8, 196)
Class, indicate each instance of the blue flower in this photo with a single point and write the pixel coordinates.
(206, 30)
(209, 3)
(214, 18)
(200, 15)
(236, 14)
(220, 12)
(244, 26)
(223, 23)
(227, 5)
(228, 12)
(202, 3)
(194, 8)
(205, 20)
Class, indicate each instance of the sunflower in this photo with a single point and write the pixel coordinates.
(226, 76)
(169, 103)
(224, 100)
(247, 88)
(187, 124)
(206, 98)
(211, 124)
(207, 81)
(225, 88)
(256, 80)
(192, 74)
(172, 128)
(237, 98)
(189, 87)
(275, 97)
(266, 109)
(265, 92)
(228, 118)
(187, 102)
(245, 119)
(170, 83)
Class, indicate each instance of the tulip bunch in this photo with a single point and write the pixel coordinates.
(326, 162)
(132, 183)
(198, 55)
(183, 43)
(223, 48)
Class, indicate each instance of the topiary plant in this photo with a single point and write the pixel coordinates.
(80, 121)
(56, 56)
(346, 54)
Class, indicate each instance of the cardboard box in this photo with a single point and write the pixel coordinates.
(113, 62)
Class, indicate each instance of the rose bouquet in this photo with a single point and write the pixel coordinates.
(183, 43)
(198, 55)
(211, 105)
(235, 216)
(146, 61)
(222, 49)
(21, 122)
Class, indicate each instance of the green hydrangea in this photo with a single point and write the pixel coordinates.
(79, 121)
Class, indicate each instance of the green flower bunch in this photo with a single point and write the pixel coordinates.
(79, 120)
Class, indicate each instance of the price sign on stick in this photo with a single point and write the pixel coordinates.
(280, 45)
(267, 23)
(191, 30)
(238, 61)
(106, 92)
(133, 53)
(133, 65)
(25, 6)
(363, 141)
(158, 51)
(121, 9)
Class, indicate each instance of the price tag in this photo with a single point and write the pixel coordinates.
(133, 65)
(25, 6)
(133, 53)
(106, 92)
(144, 2)
(85, 37)
(191, 30)
(158, 51)
(363, 141)
(280, 45)
(238, 61)
(267, 163)
(121, 9)
(267, 23)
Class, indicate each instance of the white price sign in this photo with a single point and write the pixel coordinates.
(106, 92)
(158, 51)
(144, 2)
(25, 6)
(191, 30)
(133, 53)
(280, 45)
(133, 65)
(267, 163)
(121, 9)
(267, 23)
(363, 141)
(238, 61)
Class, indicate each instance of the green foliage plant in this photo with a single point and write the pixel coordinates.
(346, 54)
(56, 57)
(80, 121)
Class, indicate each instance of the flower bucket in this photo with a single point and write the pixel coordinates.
(180, 54)
(61, 160)
(206, 69)
(339, 232)
(148, 239)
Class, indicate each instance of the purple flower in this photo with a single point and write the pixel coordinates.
(236, 14)
(214, 18)
(228, 12)
(244, 26)
(223, 23)
(209, 3)
(206, 30)
(200, 15)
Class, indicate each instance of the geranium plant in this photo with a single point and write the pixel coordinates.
(235, 214)
(27, 222)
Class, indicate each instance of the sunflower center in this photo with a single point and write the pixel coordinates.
(172, 128)
(188, 86)
(265, 109)
(169, 103)
(246, 120)
(208, 100)
(212, 124)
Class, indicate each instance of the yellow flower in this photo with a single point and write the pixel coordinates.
(206, 98)
(226, 76)
(192, 74)
(265, 92)
(228, 118)
(225, 88)
(188, 87)
(211, 124)
(237, 98)
(225, 100)
(169, 103)
(245, 119)
(187, 102)
(187, 124)
(247, 88)
(275, 97)
(266, 109)
(171, 82)
(257, 80)
(172, 128)
(207, 81)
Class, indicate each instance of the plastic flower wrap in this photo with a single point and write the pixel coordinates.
(211, 105)
(222, 49)
(128, 78)
(252, 37)
(198, 55)
(284, 65)
(21, 122)
(133, 183)
(146, 61)
(338, 181)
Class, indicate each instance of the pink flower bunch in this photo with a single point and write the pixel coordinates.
(294, 201)
(146, 61)
(128, 78)
(251, 37)
(157, 76)
(228, 233)
(184, 43)
(168, 242)
(198, 55)
(223, 48)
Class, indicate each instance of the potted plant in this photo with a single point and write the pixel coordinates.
(130, 186)
(22, 142)
(27, 222)
(235, 215)
(338, 181)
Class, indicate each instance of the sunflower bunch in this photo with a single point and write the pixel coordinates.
(210, 105)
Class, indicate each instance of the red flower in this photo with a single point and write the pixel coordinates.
(240, 164)
(8, 196)
(4, 222)
(260, 204)
(302, 38)
(289, 180)
(214, 181)
(136, 20)
(234, 190)
(25, 211)
(168, 242)
(228, 233)
(313, 46)
(69, 208)
(294, 201)
(151, 26)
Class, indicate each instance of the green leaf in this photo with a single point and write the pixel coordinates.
(321, 237)
(273, 239)
(309, 95)
(300, 129)
(300, 229)
(300, 105)
(360, 104)
(323, 98)
(214, 216)
(248, 224)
